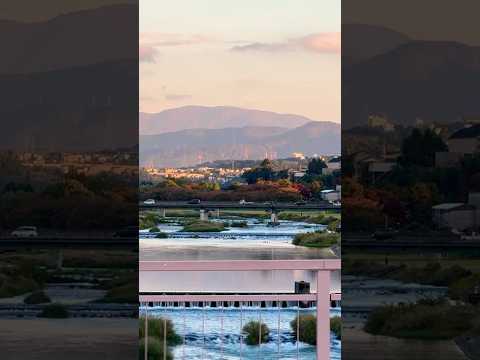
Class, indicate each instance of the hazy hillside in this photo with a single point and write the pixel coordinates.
(361, 42)
(433, 80)
(83, 108)
(112, 34)
(218, 117)
(190, 147)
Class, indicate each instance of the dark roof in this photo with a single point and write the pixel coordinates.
(468, 132)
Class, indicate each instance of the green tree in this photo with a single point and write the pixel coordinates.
(315, 166)
(420, 147)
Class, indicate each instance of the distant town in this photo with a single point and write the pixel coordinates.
(225, 172)
(435, 165)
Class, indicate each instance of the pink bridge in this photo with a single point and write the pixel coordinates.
(322, 297)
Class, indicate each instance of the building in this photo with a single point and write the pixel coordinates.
(465, 141)
(377, 121)
(458, 216)
(331, 195)
(334, 164)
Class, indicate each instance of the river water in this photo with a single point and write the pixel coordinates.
(256, 242)
(210, 344)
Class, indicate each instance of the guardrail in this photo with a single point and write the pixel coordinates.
(322, 297)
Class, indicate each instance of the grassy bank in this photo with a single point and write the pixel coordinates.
(460, 281)
(426, 319)
(318, 239)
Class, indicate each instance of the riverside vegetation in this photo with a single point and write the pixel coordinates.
(155, 341)
(307, 328)
(426, 318)
(256, 332)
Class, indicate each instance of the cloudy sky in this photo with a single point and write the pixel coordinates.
(277, 55)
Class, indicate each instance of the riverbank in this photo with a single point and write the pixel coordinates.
(73, 339)
(470, 345)
(358, 345)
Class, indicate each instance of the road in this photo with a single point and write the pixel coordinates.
(319, 206)
(113, 243)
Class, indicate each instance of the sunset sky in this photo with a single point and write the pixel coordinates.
(276, 55)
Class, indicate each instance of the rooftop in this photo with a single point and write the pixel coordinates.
(467, 133)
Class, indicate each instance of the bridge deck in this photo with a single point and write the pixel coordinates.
(324, 205)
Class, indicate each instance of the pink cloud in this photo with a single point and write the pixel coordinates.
(149, 42)
(322, 43)
(147, 53)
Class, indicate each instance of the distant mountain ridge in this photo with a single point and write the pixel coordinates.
(449, 72)
(362, 41)
(194, 146)
(217, 117)
(387, 73)
(61, 42)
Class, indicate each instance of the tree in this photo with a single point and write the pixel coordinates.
(420, 147)
(315, 166)
(262, 172)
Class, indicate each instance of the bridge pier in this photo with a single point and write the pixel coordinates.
(203, 215)
(218, 213)
(274, 218)
(59, 259)
(163, 212)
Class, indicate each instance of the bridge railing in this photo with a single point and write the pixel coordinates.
(322, 297)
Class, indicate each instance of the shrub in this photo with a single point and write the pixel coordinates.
(149, 220)
(156, 327)
(154, 229)
(156, 349)
(336, 326)
(37, 297)
(316, 239)
(54, 311)
(256, 332)
(122, 294)
(307, 328)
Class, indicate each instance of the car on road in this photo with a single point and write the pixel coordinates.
(25, 231)
(195, 201)
(300, 203)
(149, 202)
(243, 202)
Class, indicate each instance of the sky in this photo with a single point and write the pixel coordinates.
(275, 55)
(420, 20)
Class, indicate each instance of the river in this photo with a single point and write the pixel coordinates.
(190, 322)
(255, 242)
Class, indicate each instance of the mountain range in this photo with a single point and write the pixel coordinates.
(65, 42)
(217, 117)
(407, 79)
(65, 86)
(194, 146)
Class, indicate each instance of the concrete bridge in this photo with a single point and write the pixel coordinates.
(316, 206)
(207, 207)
